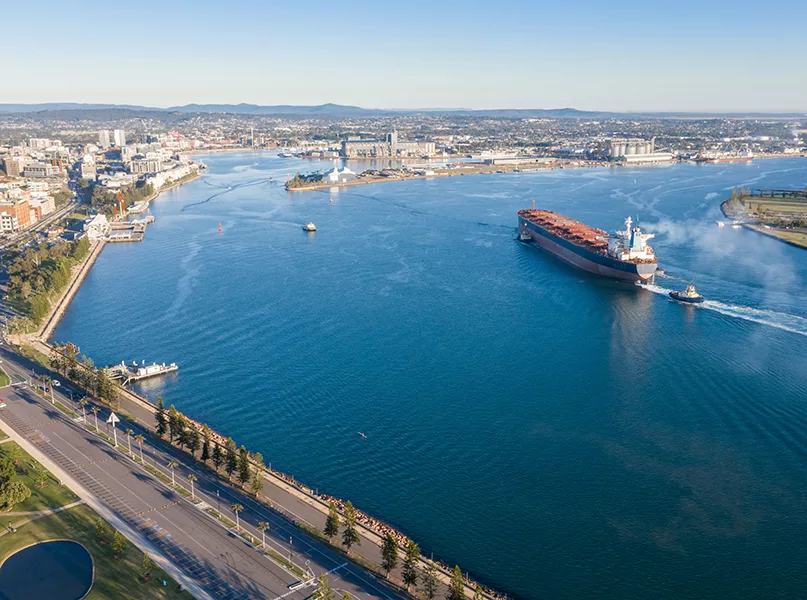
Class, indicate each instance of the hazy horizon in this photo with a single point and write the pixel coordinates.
(625, 57)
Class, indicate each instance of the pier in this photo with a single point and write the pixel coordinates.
(126, 374)
(127, 231)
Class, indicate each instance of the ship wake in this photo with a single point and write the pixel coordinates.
(771, 318)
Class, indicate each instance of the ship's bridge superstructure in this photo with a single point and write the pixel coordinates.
(630, 244)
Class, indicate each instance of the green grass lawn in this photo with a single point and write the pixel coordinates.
(115, 579)
(3, 435)
(52, 495)
(4, 378)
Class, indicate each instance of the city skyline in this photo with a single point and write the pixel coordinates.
(629, 57)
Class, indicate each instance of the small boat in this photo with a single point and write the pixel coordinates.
(364, 437)
(721, 224)
(690, 296)
(220, 228)
(309, 227)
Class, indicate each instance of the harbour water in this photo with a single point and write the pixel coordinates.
(556, 434)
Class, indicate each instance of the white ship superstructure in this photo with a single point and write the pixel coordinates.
(630, 244)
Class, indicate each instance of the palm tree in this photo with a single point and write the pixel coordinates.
(83, 404)
(262, 527)
(139, 439)
(129, 433)
(172, 464)
(94, 410)
(237, 508)
(192, 478)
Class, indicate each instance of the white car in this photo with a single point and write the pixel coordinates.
(56, 383)
(2, 404)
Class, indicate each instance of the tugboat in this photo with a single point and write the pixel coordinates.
(309, 227)
(690, 296)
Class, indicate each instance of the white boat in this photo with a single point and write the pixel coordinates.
(309, 227)
(721, 224)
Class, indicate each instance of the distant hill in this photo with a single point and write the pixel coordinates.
(283, 109)
(78, 110)
(26, 108)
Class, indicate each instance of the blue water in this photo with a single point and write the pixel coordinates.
(56, 570)
(556, 434)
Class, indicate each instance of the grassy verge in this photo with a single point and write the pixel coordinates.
(4, 378)
(35, 355)
(795, 238)
(353, 557)
(51, 495)
(115, 579)
(3, 435)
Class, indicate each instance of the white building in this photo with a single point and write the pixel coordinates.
(119, 137)
(337, 175)
(97, 228)
(43, 205)
(8, 222)
(39, 143)
(103, 138)
(88, 169)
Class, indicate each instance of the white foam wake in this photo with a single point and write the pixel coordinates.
(771, 318)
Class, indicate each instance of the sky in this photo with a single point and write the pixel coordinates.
(616, 55)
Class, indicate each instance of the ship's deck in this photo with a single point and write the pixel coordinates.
(578, 233)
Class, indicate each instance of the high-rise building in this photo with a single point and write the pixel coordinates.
(103, 138)
(119, 137)
(15, 165)
(38, 143)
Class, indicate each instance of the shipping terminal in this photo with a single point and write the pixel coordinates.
(623, 255)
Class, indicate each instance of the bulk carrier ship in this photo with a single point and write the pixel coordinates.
(623, 255)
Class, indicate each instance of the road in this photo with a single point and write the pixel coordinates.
(65, 210)
(199, 545)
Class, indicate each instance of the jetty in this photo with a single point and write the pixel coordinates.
(126, 374)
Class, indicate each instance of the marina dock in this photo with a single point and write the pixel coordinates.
(126, 374)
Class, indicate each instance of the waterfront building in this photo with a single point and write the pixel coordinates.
(337, 175)
(119, 137)
(637, 151)
(103, 138)
(97, 228)
(388, 147)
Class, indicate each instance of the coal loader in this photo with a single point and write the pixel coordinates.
(622, 255)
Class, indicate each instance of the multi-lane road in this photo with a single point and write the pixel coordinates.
(213, 560)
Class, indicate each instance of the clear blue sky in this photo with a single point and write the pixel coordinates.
(608, 55)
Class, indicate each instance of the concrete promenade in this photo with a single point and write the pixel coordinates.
(298, 504)
(201, 552)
